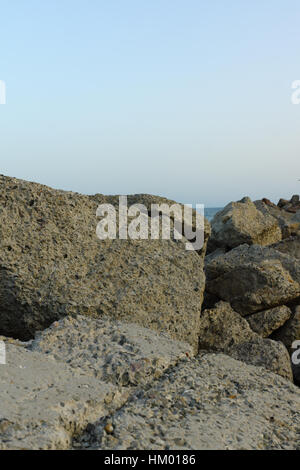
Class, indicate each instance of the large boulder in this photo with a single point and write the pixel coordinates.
(208, 403)
(45, 403)
(148, 200)
(124, 354)
(224, 330)
(254, 278)
(52, 264)
(59, 392)
(241, 222)
(76, 372)
(266, 322)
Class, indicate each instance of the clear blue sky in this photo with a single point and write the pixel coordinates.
(188, 99)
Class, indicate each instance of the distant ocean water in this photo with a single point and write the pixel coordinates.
(210, 212)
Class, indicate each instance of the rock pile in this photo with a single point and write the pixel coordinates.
(293, 205)
(259, 280)
(109, 344)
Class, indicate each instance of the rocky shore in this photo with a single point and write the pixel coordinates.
(141, 344)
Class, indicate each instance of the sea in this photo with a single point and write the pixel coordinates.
(210, 212)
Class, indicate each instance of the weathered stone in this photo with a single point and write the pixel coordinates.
(241, 222)
(224, 330)
(115, 352)
(272, 355)
(290, 331)
(296, 218)
(295, 200)
(254, 278)
(45, 404)
(290, 246)
(52, 264)
(266, 322)
(285, 213)
(148, 200)
(214, 254)
(212, 402)
(282, 202)
(284, 219)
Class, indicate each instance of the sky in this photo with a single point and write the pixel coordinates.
(185, 99)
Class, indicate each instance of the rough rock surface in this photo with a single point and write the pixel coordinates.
(241, 222)
(52, 264)
(272, 355)
(287, 221)
(212, 402)
(70, 396)
(214, 254)
(148, 199)
(44, 404)
(266, 322)
(224, 330)
(290, 331)
(292, 206)
(290, 246)
(123, 354)
(254, 278)
(296, 219)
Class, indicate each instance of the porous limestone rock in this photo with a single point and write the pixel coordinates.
(241, 222)
(208, 403)
(115, 352)
(286, 220)
(224, 330)
(266, 322)
(254, 278)
(290, 246)
(52, 264)
(45, 404)
(289, 335)
(272, 355)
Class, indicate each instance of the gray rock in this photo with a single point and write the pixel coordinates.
(290, 246)
(241, 222)
(266, 322)
(148, 199)
(254, 278)
(52, 264)
(290, 331)
(295, 199)
(214, 254)
(45, 404)
(115, 352)
(272, 355)
(282, 202)
(288, 224)
(296, 218)
(224, 330)
(212, 402)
